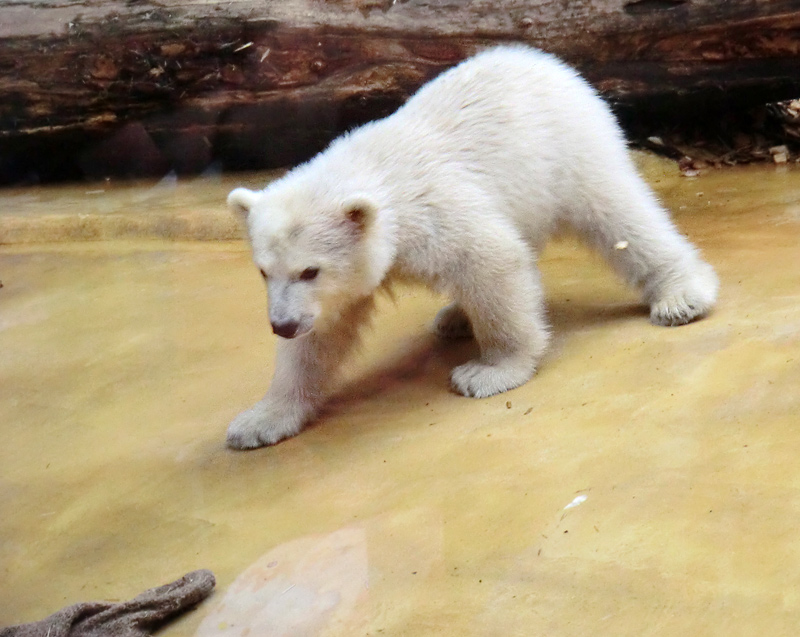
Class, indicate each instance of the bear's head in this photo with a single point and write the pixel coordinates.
(316, 254)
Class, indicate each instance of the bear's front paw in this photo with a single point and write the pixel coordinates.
(452, 322)
(479, 380)
(265, 423)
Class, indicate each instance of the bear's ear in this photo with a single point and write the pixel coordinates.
(242, 200)
(361, 211)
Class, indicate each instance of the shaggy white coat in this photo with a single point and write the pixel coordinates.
(459, 190)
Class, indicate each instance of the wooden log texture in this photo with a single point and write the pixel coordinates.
(141, 86)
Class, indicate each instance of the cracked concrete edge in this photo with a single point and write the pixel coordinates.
(52, 228)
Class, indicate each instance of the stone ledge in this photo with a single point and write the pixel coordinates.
(170, 209)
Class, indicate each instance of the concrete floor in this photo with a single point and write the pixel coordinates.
(407, 510)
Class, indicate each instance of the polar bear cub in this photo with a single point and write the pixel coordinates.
(459, 189)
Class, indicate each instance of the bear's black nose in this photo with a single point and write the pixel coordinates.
(286, 330)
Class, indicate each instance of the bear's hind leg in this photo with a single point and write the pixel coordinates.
(506, 312)
(638, 238)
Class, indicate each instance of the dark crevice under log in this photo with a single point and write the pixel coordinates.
(111, 87)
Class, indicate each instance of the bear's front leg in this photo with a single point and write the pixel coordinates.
(506, 312)
(267, 422)
(290, 402)
(305, 368)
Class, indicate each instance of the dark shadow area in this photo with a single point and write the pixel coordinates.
(714, 128)
(424, 362)
(567, 316)
(189, 142)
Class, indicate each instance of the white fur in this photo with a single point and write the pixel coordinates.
(459, 190)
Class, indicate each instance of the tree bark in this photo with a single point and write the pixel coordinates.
(135, 86)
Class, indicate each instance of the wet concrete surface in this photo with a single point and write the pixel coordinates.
(407, 510)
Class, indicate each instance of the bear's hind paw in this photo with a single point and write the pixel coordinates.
(674, 312)
(686, 300)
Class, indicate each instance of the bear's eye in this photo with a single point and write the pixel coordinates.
(263, 275)
(309, 274)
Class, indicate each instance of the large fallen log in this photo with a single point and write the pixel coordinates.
(104, 87)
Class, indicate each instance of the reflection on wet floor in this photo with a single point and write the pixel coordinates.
(408, 510)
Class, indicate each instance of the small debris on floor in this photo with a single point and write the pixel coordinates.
(576, 502)
(780, 154)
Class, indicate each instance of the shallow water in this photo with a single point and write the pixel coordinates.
(407, 510)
